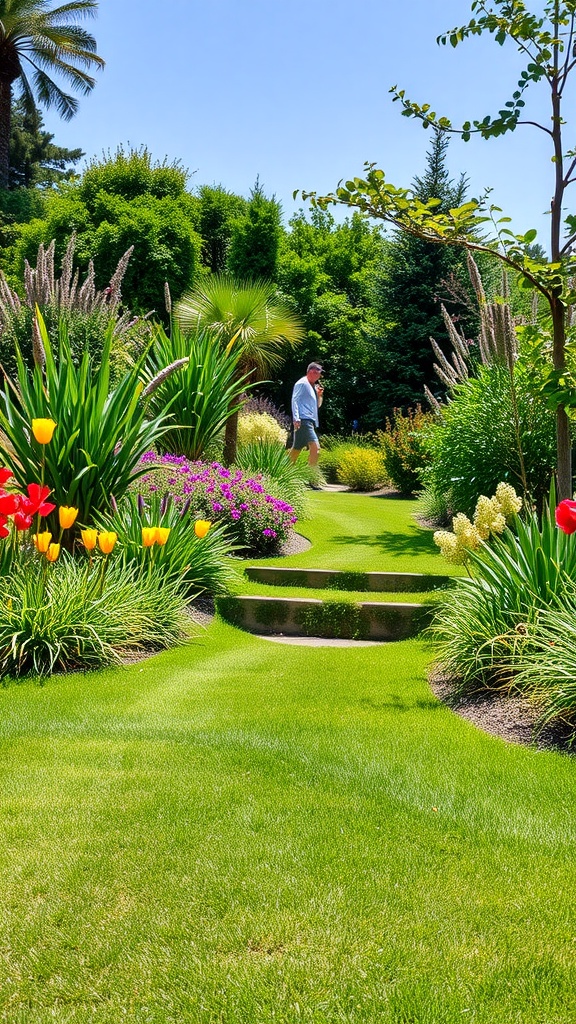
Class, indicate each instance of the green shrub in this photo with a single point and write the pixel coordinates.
(59, 618)
(254, 427)
(476, 445)
(361, 469)
(198, 564)
(405, 447)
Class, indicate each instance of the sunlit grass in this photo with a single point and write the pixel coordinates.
(236, 833)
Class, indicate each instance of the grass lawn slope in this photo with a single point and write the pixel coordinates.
(223, 834)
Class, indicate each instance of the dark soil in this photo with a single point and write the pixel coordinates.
(511, 717)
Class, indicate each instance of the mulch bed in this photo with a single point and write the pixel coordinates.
(511, 717)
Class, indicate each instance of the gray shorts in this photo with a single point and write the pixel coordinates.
(304, 435)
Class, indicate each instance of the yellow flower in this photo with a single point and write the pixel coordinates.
(466, 532)
(42, 541)
(89, 538)
(106, 541)
(201, 527)
(149, 535)
(488, 518)
(53, 552)
(508, 500)
(162, 534)
(43, 430)
(67, 516)
(451, 547)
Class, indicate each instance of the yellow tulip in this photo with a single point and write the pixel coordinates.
(53, 552)
(201, 527)
(42, 541)
(89, 538)
(67, 516)
(43, 430)
(149, 535)
(106, 541)
(162, 534)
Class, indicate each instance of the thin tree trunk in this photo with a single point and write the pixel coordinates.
(230, 440)
(5, 122)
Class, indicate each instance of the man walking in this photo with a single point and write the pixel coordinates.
(307, 398)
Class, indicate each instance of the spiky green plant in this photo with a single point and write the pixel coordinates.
(100, 434)
(282, 478)
(202, 392)
(200, 564)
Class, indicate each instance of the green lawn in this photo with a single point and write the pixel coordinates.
(224, 834)
(239, 832)
(366, 534)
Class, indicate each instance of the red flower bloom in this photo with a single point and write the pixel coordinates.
(22, 521)
(35, 502)
(3, 531)
(9, 504)
(5, 475)
(566, 516)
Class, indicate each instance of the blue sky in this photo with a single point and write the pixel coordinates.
(297, 93)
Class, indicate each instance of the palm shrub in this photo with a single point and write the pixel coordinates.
(100, 434)
(59, 618)
(201, 564)
(205, 389)
(282, 478)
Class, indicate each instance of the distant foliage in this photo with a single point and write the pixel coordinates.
(405, 448)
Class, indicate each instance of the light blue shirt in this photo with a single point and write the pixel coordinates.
(304, 401)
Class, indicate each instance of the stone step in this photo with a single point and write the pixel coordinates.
(303, 616)
(335, 579)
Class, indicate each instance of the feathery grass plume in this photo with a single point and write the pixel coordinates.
(167, 298)
(38, 353)
(163, 375)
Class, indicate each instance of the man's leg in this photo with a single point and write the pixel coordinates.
(294, 453)
(314, 452)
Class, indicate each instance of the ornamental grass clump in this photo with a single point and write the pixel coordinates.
(160, 535)
(489, 628)
(256, 521)
(62, 620)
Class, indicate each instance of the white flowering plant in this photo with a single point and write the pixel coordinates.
(491, 517)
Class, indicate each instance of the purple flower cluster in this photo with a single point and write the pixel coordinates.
(256, 521)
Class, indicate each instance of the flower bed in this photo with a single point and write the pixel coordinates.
(256, 521)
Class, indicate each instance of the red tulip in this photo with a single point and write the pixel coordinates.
(22, 521)
(566, 516)
(5, 475)
(3, 531)
(35, 502)
(9, 504)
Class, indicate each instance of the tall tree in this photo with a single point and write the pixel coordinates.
(34, 157)
(217, 211)
(329, 271)
(41, 42)
(255, 240)
(244, 315)
(409, 291)
(546, 40)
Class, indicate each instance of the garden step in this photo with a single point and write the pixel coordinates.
(306, 616)
(333, 579)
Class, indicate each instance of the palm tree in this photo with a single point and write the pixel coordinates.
(247, 315)
(43, 42)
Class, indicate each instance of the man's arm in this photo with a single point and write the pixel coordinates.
(296, 418)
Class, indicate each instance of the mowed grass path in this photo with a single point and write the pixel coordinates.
(240, 832)
(361, 533)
